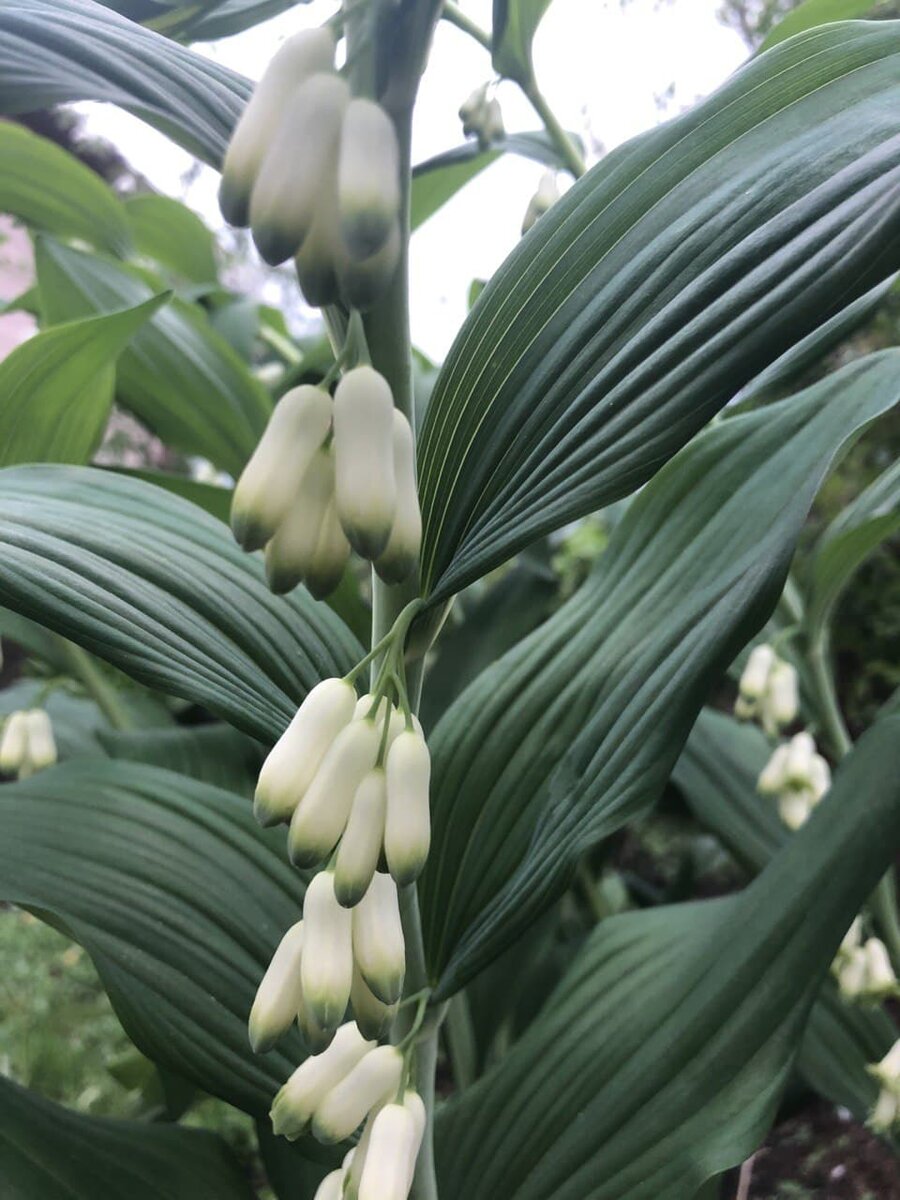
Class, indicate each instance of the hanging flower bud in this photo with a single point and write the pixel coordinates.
(291, 552)
(407, 830)
(881, 982)
(302, 55)
(14, 743)
(493, 129)
(365, 486)
(801, 751)
(373, 1017)
(322, 814)
(886, 1114)
(471, 111)
(329, 561)
(361, 843)
(280, 995)
(268, 484)
(368, 179)
(332, 1186)
(755, 675)
(400, 556)
(316, 260)
(373, 1080)
(379, 950)
(295, 758)
(542, 201)
(362, 282)
(773, 775)
(326, 967)
(391, 1157)
(41, 742)
(314, 1036)
(301, 154)
(295, 1103)
(782, 696)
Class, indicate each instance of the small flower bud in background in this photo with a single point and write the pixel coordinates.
(41, 742)
(373, 1080)
(881, 982)
(400, 556)
(373, 1017)
(798, 777)
(471, 111)
(365, 484)
(886, 1114)
(542, 201)
(368, 179)
(768, 690)
(280, 995)
(379, 951)
(493, 129)
(332, 1186)
(391, 1156)
(14, 743)
(295, 1103)
(407, 832)
(300, 56)
(363, 837)
(482, 118)
(295, 758)
(27, 743)
(326, 968)
(782, 698)
(270, 481)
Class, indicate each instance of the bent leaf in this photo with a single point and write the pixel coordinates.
(513, 28)
(816, 12)
(662, 282)
(170, 233)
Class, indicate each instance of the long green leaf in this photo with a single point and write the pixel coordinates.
(157, 587)
(178, 375)
(55, 51)
(49, 189)
(575, 730)
(214, 754)
(50, 1153)
(171, 233)
(817, 12)
(56, 388)
(660, 1059)
(514, 25)
(661, 283)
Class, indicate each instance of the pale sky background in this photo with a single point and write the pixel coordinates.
(609, 70)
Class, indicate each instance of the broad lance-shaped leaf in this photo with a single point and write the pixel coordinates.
(50, 189)
(171, 233)
(817, 12)
(157, 587)
(56, 389)
(514, 25)
(178, 375)
(55, 51)
(717, 774)
(179, 898)
(48, 1152)
(661, 283)
(214, 754)
(575, 730)
(660, 1059)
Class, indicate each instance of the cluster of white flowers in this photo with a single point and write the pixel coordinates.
(315, 172)
(863, 967)
(27, 743)
(798, 776)
(768, 691)
(327, 475)
(482, 117)
(886, 1114)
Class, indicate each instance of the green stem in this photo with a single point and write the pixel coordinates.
(461, 1045)
(567, 149)
(455, 16)
(425, 1181)
(92, 679)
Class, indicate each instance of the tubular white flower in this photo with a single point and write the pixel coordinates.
(14, 743)
(362, 281)
(300, 155)
(365, 485)
(795, 809)
(819, 777)
(322, 814)
(368, 188)
(407, 831)
(415, 1106)
(772, 777)
(295, 1103)
(781, 702)
(493, 129)
(886, 1113)
(326, 569)
(316, 260)
(852, 973)
(291, 552)
(373, 1080)
(279, 997)
(400, 556)
(361, 843)
(373, 1017)
(267, 488)
(326, 967)
(295, 758)
(332, 1186)
(798, 764)
(542, 201)
(300, 56)
(755, 675)
(379, 950)
(880, 978)
(41, 742)
(391, 1156)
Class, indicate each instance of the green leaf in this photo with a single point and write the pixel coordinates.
(717, 775)
(660, 1059)
(662, 282)
(214, 754)
(49, 189)
(588, 715)
(50, 1153)
(179, 898)
(56, 388)
(227, 17)
(178, 375)
(816, 12)
(56, 51)
(514, 25)
(157, 587)
(208, 496)
(170, 233)
(438, 179)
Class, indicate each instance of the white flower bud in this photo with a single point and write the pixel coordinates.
(400, 556)
(773, 776)
(794, 809)
(316, 260)
(360, 847)
(368, 178)
(852, 938)
(471, 111)
(302, 55)
(41, 742)
(326, 967)
(888, 1070)
(819, 777)
(542, 201)
(301, 154)
(295, 1103)
(391, 1157)
(373, 1017)
(280, 995)
(268, 486)
(407, 829)
(881, 981)
(295, 758)
(365, 485)
(798, 764)
(886, 1113)
(362, 282)
(332, 1186)
(379, 950)
(322, 814)
(852, 974)
(493, 129)
(292, 550)
(329, 560)
(781, 701)
(14, 743)
(755, 675)
(373, 1080)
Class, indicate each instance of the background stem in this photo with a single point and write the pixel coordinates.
(566, 148)
(95, 683)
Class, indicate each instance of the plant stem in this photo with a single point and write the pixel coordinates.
(567, 149)
(92, 679)
(454, 15)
